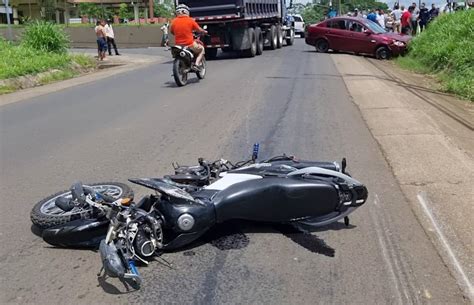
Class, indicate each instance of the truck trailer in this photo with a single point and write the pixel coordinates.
(246, 26)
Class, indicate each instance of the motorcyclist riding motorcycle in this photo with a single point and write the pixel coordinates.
(182, 27)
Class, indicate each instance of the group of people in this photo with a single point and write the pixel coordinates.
(105, 38)
(401, 20)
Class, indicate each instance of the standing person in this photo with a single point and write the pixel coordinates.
(101, 41)
(182, 27)
(397, 15)
(405, 21)
(434, 12)
(424, 17)
(380, 18)
(414, 19)
(110, 38)
(164, 31)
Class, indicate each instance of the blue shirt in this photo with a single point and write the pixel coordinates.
(372, 17)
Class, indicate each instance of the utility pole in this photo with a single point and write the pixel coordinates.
(7, 11)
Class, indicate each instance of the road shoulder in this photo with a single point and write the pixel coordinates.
(427, 139)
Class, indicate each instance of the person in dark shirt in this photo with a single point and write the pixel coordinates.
(424, 17)
(434, 12)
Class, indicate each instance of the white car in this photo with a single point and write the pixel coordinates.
(299, 25)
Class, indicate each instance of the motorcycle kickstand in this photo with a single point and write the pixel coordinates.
(100, 271)
(346, 221)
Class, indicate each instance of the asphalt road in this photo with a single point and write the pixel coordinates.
(135, 124)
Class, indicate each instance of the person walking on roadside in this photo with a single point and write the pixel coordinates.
(405, 21)
(110, 38)
(101, 41)
(397, 15)
(164, 31)
(434, 12)
(424, 17)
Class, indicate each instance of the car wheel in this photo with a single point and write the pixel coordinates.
(322, 45)
(382, 53)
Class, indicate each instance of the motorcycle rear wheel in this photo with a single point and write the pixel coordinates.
(180, 77)
(45, 214)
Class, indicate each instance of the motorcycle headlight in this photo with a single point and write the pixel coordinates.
(182, 54)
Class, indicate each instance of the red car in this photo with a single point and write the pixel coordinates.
(356, 35)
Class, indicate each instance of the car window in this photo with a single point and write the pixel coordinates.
(355, 26)
(337, 24)
(375, 27)
(298, 19)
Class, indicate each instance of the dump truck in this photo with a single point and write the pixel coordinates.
(245, 26)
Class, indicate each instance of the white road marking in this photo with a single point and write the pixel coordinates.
(461, 275)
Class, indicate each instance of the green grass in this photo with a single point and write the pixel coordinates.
(4, 89)
(57, 76)
(446, 50)
(21, 60)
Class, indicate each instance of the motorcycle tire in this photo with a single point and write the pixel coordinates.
(202, 74)
(45, 214)
(180, 78)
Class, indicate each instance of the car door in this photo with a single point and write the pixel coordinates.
(359, 38)
(335, 33)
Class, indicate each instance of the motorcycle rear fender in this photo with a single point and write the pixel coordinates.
(77, 233)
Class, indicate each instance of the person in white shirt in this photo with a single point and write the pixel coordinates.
(164, 30)
(397, 14)
(109, 31)
(380, 18)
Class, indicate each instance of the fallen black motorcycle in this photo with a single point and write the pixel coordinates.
(306, 194)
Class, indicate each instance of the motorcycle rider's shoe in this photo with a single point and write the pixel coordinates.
(196, 68)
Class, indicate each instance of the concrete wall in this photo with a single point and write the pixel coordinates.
(125, 36)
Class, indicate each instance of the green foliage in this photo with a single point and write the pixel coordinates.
(125, 11)
(45, 36)
(316, 11)
(165, 10)
(57, 76)
(22, 60)
(446, 48)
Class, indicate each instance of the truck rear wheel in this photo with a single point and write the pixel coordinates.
(272, 35)
(259, 35)
(253, 43)
(279, 37)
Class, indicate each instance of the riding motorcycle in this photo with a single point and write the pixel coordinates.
(306, 194)
(184, 63)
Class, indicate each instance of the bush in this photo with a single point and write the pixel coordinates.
(446, 48)
(45, 36)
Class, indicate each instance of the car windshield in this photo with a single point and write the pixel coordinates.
(374, 27)
(297, 19)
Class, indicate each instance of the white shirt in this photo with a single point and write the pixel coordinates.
(109, 31)
(381, 20)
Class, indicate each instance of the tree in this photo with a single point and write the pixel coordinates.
(125, 11)
(165, 9)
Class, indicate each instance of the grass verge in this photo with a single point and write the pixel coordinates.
(446, 50)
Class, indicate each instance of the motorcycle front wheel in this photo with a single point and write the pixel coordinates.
(201, 74)
(179, 74)
(45, 214)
